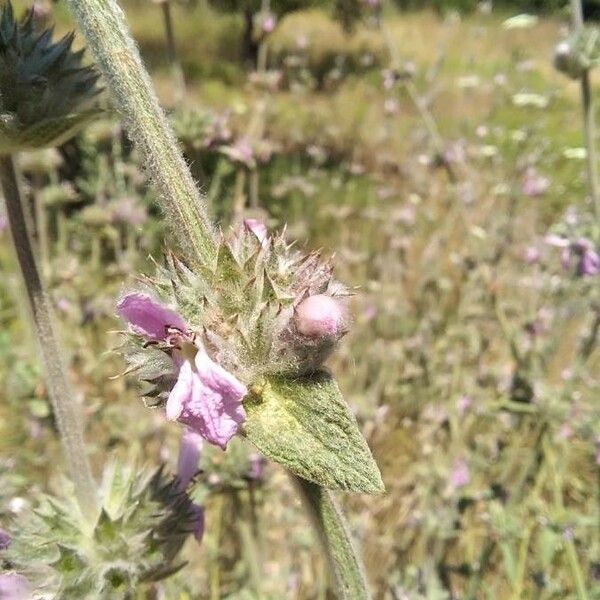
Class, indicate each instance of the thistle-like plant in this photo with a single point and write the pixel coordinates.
(46, 91)
(144, 520)
(239, 346)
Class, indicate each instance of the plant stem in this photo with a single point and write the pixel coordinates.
(589, 125)
(61, 394)
(335, 538)
(571, 551)
(103, 24)
(174, 63)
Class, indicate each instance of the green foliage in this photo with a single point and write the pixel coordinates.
(143, 523)
(305, 424)
(45, 92)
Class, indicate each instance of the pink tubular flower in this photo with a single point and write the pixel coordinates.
(206, 397)
(148, 317)
(319, 316)
(14, 587)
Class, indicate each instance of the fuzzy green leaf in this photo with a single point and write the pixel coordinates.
(305, 425)
(45, 133)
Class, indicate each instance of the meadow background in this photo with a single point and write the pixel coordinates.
(440, 156)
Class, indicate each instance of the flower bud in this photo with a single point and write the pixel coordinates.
(320, 316)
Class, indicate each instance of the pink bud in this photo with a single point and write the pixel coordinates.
(258, 228)
(319, 316)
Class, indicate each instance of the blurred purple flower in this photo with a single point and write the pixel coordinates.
(534, 184)
(190, 450)
(531, 255)
(129, 211)
(389, 78)
(14, 587)
(463, 404)
(455, 152)
(460, 474)
(589, 259)
(5, 539)
(241, 151)
(257, 467)
(3, 223)
(268, 22)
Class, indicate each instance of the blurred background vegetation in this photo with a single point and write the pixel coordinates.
(434, 152)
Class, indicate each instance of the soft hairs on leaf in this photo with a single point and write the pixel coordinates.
(305, 425)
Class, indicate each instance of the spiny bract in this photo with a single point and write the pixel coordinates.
(45, 92)
(242, 308)
(143, 523)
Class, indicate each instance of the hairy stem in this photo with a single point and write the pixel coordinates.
(335, 538)
(589, 125)
(61, 394)
(103, 24)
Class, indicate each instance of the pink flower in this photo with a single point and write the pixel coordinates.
(258, 228)
(460, 474)
(257, 466)
(269, 22)
(206, 397)
(534, 184)
(319, 316)
(14, 587)
(455, 152)
(531, 255)
(589, 259)
(5, 539)
(148, 317)
(190, 450)
(241, 152)
(463, 404)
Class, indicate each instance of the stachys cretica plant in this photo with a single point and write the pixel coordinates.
(238, 346)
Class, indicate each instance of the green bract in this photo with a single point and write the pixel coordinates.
(45, 92)
(143, 523)
(306, 425)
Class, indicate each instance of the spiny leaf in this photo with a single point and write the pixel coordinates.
(305, 425)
